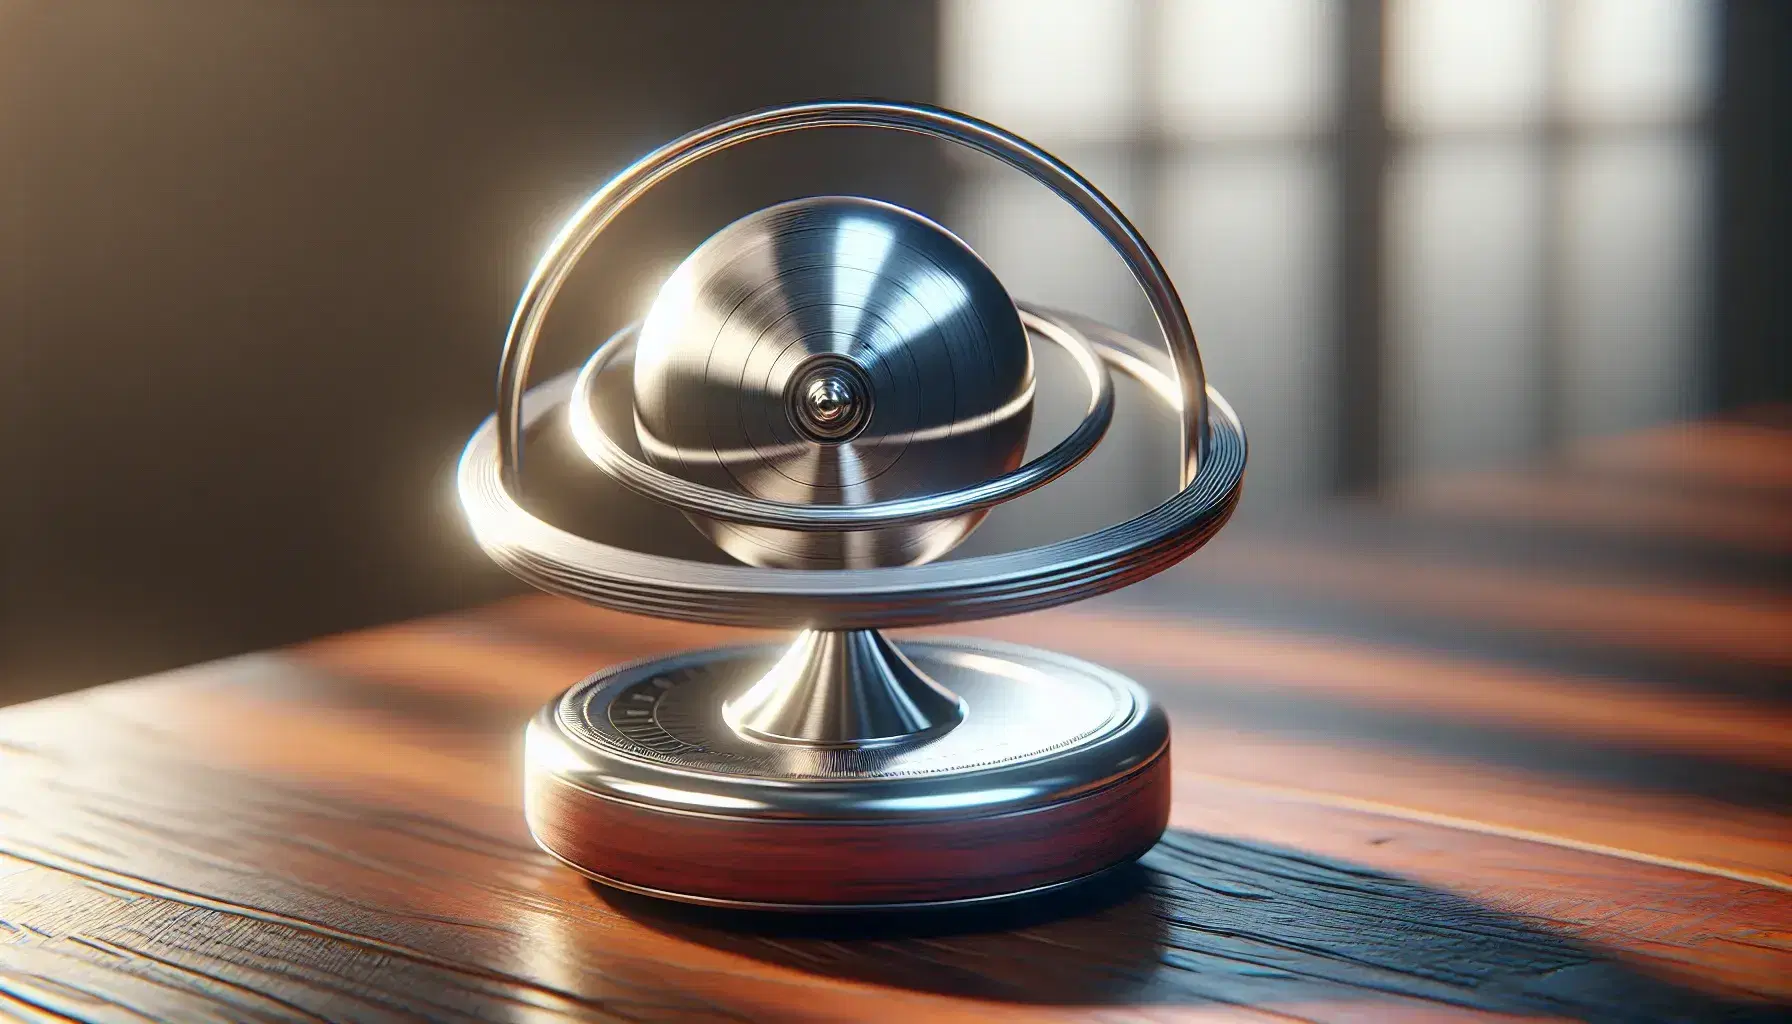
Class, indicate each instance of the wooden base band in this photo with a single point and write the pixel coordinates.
(795, 862)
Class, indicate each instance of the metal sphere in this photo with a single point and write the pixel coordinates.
(834, 350)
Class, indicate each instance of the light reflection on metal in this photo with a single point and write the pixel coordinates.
(861, 245)
(843, 688)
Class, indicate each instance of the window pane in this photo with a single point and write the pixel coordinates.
(1629, 61)
(1051, 70)
(1467, 64)
(1262, 68)
(1465, 280)
(1632, 291)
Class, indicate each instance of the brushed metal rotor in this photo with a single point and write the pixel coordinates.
(834, 350)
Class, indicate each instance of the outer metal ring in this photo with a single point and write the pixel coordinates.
(623, 190)
(960, 589)
(661, 486)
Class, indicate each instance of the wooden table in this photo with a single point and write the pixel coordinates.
(1503, 744)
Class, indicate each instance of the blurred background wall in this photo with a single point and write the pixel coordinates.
(256, 259)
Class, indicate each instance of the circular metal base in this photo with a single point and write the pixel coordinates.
(1059, 770)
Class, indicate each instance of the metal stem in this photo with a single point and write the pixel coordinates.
(844, 688)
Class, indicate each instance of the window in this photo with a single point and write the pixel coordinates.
(1544, 206)
(1540, 196)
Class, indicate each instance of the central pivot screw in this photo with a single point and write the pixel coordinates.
(831, 400)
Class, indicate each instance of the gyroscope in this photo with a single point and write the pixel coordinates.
(835, 391)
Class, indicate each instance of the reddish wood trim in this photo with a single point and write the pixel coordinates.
(774, 861)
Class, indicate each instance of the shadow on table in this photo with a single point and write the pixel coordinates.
(1204, 920)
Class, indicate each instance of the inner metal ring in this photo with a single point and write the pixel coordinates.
(749, 510)
(983, 586)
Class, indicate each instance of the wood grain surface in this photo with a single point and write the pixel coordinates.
(1514, 745)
